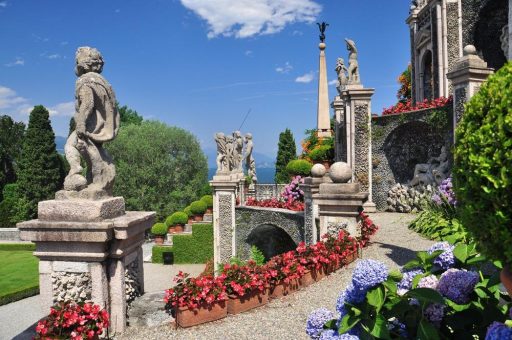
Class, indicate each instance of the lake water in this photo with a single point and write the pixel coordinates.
(265, 175)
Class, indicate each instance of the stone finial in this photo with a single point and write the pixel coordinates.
(340, 172)
(318, 170)
(97, 121)
(469, 50)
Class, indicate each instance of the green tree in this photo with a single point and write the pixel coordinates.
(14, 207)
(159, 168)
(11, 135)
(128, 116)
(286, 152)
(40, 169)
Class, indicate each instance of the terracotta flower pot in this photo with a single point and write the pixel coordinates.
(281, 289)
(209, 211)
(186, 317)
(318, 274)
(240, 304)
(307, 279)
(198, 218)
(178, 228)
(159, 239)
(170, 230)
(190, 220)
(506, 279)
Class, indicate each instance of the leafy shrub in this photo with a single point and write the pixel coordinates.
(483, 166)
(188, 212)
(178, 217)
(257, 256)
(435, 225)
(159, 229)
(208, 199)
(321, 153)
(198, 207)
(299, 167)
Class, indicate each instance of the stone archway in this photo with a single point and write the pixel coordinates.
(271, 240)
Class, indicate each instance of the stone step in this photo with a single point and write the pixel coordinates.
(148, 310)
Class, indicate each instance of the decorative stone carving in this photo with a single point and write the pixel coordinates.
(353, 65)
(318, 170)
(225, 227)
(222, 153)
(97, 122)
(341, 71)
(504, 40)
(68, 286)
(405, 199)
(229, 152)
(131, 282)
(250, 164)
(432, 172)
(238, 151)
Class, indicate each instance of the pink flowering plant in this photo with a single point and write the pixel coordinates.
(241, 280)
(76, 321)
(292, 191)
(407, 106)
(275, 203)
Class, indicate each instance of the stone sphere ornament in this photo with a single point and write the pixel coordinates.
(318, 170)
(340, 172)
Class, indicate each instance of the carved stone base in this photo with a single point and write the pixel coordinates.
(80, 210)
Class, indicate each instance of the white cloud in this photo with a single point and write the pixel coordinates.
(247, 18)
(305, 78)
(10, 100)
(287, 67)
(66, 109)
(248, 53)
(3, 3)
(64, 43)
(17, 62)
(53, 56)
(333, 82)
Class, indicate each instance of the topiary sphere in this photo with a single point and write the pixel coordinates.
(188, 212)
(483, 166)
(159, 229)
(178, 217)
(299, 167)
(208, 199)
(198, 207)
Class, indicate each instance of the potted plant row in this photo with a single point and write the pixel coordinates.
(176, 222)
(159, 230)
(198, 208)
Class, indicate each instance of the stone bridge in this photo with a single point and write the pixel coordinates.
(271, 230)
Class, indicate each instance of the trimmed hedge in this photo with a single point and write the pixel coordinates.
(159, 229)
(188, 212)
(179, 217)
(482, 169)
(18, 295)
(195, 248)
(321, 153)
(299, 167)
(17, 246)
(208, 199)
(198, 207)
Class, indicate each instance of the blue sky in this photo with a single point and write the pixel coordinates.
(199, 64)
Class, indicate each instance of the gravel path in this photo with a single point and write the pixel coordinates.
(285, 318)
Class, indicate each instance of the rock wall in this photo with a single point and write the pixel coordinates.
(401, 141)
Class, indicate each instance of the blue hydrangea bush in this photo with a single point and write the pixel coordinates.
(446, 292)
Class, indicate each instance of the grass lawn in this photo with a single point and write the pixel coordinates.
(19, 275)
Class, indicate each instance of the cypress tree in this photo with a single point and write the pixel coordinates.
(39, 175)
(286, 152)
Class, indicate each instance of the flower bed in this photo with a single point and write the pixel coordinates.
(275, 203)
(281, 275)
(426, 104)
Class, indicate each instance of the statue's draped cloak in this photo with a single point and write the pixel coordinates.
(103, 123)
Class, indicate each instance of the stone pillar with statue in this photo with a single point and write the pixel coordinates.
(466, 76)
(89, 247)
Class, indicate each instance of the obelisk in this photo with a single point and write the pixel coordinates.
(323, 117)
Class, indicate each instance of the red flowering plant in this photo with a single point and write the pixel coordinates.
(285, 267)
(368, 228)
(242, 280)
(340, 247)
(193, 292)
(293, 205)
(407, 106)
(314, 256)
(73, 320)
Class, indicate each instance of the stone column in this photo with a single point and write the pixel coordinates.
(310, 187)
(323, 116)
(224, 201)
(468, 73)
(359, 144)
(340, 144)
(89, 250)
(340, 202)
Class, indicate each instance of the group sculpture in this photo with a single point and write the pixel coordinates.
(348, 76)
(230, 154)
(432, 172)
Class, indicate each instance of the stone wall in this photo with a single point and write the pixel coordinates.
(9, 234)
(248, 218)
(401, 141)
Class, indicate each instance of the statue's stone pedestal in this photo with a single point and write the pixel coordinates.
(311, 187)
(339, 205)
(89, 251)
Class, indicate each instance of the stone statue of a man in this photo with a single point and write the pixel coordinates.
(238, 151)
(97, 122)
(222, 156)
(353, 65)
(250, 164)
(341, 71)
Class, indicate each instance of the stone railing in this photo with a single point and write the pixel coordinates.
(267, 191)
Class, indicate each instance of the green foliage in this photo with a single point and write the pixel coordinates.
(438, 118)
(178, 217)
(14, 208)
(378, 132)
(11, 136)
(159, 229)
(159, 168)
(437, 225)
(257, 256)
(208, 200)
(19, 273)
(483, 166)
(17, 246)
(195, 248)
(198, 207)
(299, 167)
(404, 94)
(40, 173)
(128, 116)
(322, 153)
(286, 152)
(188, 212)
